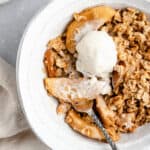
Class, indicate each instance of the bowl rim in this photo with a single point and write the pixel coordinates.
(17, 68)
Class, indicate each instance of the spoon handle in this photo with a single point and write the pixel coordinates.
(100, 125)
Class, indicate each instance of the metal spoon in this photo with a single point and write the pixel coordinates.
(91, 113)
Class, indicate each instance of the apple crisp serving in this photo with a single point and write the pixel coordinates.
(127, 105)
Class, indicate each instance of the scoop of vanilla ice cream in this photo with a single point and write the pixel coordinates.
(97, 54)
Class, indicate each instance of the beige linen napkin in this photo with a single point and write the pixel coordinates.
(14, 130)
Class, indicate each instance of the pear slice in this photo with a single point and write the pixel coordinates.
(107, 117)
(83, 126)
(73, 90)
(96, 16)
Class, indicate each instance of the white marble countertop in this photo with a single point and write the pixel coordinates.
(14, 16)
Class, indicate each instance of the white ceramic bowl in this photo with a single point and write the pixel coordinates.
(40, 109)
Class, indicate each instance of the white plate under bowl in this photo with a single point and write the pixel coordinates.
(40, 109)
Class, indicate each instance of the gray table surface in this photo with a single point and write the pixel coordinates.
(14, 16)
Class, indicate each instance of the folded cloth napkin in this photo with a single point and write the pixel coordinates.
(15, 133)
